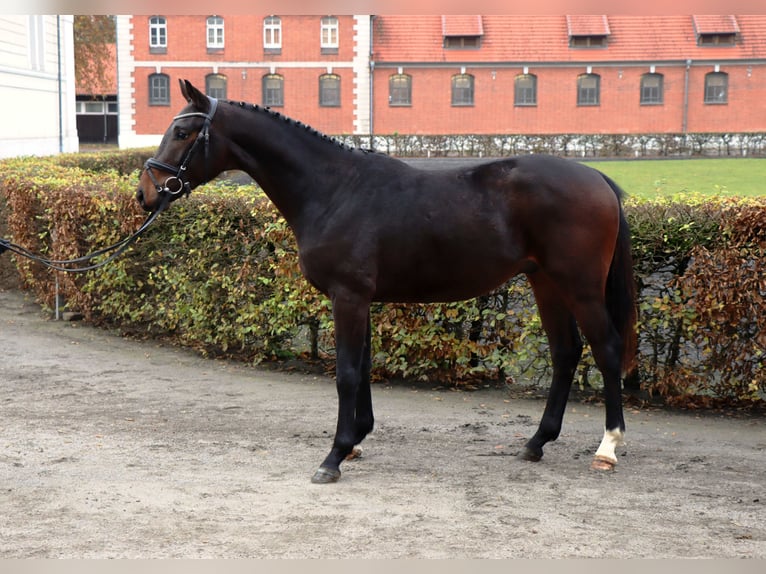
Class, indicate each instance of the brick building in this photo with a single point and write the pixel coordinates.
(418, 74)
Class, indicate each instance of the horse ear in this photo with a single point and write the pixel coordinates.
(194, 96)
(184, 91)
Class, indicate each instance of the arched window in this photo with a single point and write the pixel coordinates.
(716, 88)
(159, 90)
(329, 90)
(272, 34)
(651, 89)
(215, 86)
(273, 90)
(400, 90)
(215, 33)
(525, 90)
(588, 90)
(462, 90)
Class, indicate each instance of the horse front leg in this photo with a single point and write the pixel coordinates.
(351, 317)
(364, 419)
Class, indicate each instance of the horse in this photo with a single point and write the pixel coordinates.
(371, 228)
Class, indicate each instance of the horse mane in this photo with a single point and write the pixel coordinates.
(299, 125)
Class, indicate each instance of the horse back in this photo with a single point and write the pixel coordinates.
(431, 235)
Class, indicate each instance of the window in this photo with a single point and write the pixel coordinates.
(158, 35)
(215, 33)
(462, 90)
(273, 90)
(159, 90)
(651, 89)
(329, 90)
(329, 35)
(95, 107)
(587, 41)
(400, 90)
(588, 89)
(588, 30)
(462, 32)
(525, 90)
(215, 86)
(462, 42)
(716, 88)
(272, 34)
(724, 39)
(716, 29)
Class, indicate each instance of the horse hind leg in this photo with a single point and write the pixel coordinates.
(606, 345)
(566, 349)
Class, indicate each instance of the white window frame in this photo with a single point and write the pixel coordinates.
(272, 33)
(214, 32)
(329, 32)
(95, 108)
(158, 32)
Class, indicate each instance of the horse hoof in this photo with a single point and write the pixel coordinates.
(602, 464)
(325, 475)
(356, 452)
(530, 455)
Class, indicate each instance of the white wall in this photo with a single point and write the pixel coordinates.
(37, 85)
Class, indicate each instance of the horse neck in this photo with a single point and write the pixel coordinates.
(296, 166)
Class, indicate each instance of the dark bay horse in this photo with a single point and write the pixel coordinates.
(371, 228)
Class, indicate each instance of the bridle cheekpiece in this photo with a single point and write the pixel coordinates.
(175, 184)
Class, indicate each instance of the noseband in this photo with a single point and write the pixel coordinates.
(175, 184)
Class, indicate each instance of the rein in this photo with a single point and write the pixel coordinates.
(62, 264)
(175, 184)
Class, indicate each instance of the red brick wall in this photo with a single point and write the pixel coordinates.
(557, 111)
(243, 39)
(431, 112)
(243, 42)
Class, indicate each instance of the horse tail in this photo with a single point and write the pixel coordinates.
(621, 288)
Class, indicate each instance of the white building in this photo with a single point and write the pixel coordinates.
(37, 85)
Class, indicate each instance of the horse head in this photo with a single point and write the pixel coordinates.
(186, 157)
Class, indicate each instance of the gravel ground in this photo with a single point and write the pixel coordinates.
(111, 448)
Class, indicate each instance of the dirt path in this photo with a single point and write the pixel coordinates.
(113, 448)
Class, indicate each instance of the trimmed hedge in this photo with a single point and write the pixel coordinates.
(219, 273)
(569, 145)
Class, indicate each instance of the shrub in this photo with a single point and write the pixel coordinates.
(219, 273)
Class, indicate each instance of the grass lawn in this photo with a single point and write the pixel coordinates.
(648, 178)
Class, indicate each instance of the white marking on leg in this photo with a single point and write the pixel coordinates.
(612, 439)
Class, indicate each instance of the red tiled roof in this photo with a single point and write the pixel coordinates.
(462, 25)
(531, 39)
(715, 24)
(586, 25)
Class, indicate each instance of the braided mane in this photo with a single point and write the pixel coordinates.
(297, 124)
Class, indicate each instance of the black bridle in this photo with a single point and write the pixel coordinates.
(175, 184)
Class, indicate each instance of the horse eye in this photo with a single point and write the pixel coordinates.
(181, 135)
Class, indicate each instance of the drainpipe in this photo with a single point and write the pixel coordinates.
(684, 121)
(372, 81)
(60, 84)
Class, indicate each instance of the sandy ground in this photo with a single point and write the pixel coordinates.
(117, 448)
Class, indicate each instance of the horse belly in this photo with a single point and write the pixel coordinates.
(444, 279)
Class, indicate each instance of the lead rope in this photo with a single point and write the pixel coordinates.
(61, 264)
